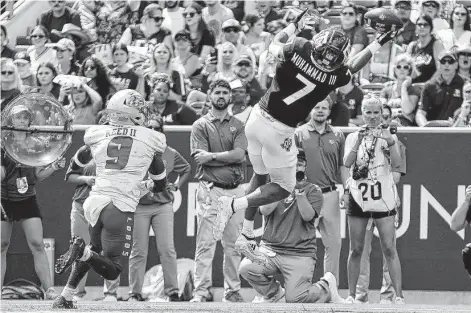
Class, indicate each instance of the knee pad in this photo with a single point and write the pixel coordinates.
(466, 253)
(257, 164)
(285, 177)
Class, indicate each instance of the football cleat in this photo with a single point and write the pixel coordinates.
(249, 247)
(75, 251)
(61, 303)
(334, 293)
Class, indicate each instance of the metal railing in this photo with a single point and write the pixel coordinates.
(8, 8)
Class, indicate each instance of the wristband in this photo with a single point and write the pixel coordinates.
(374, 47)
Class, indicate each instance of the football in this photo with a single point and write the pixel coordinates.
(383, 20)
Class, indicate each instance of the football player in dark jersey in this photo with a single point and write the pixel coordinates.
(459, 220)
(307, 71)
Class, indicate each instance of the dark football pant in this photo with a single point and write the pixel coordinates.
(112, 237)
(466, 253)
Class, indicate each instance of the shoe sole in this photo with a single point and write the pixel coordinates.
(249, 254)
(68, 258)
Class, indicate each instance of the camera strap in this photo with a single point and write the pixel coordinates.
(371, 150)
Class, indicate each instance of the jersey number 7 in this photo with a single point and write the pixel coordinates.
(300, 93)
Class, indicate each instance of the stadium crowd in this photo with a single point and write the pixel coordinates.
(176, 53)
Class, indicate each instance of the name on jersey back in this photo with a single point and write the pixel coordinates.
(312, 71)
(121, 131)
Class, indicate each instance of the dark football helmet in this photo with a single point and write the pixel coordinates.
(330, 49)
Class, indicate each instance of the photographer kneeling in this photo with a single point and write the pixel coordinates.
(371, 153)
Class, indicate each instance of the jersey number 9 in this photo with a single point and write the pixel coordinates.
(119, 150)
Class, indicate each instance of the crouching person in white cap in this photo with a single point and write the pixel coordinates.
(289, 242)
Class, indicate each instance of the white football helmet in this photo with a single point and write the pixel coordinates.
(127, 107)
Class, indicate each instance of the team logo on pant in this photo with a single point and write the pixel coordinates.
(287, 144)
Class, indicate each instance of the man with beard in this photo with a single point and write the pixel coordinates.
(324, 151)
(218, 145)
(403, 9)
(173, 16)
(57, 17)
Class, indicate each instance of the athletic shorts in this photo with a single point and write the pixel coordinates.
(353, 209)
(112, 234)
(20, 210)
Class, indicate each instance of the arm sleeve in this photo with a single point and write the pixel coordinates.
(158, 173)
(81, 158)
(198, 139)
(402, 167)
(315, 198)
(240, 139)
(349, 142)
(426, 97)
(181, 165)
(342, 147)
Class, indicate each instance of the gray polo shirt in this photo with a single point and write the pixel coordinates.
(324, 154)
(211, 134)
(285, 230)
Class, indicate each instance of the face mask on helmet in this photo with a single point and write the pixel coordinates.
(330, 49)
(127, 107)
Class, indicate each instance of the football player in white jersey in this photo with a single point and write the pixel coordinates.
(123, 151)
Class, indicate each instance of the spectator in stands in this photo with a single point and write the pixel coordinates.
(403, 9)
(244, 70)
(266, 10)
(86, 9)
(23, 63)
(94, 69)
(187, 60)
(40, 53)
(441, 96)
(255, 37)
(345, 105)
(431, 8)
(267, 61)
(227, 55)
(7, 51)
(214, 15)
(237, 7)
(65, 51)
(85, 103)
(123, 76)
(173, 112)
(156, 210)
(201, 36)
(370, 154)
(353, 28)
(10, 81)
(80, 39)
(380, 69)
(57, 17)
(464, 62)
(425, 50)
(161, 62)
(463, 115)
(232, 31)
(45, 79)
(218, 146)
(173, 16)
(150, 31)
(400, 94)
(459, 33)
(240, 106)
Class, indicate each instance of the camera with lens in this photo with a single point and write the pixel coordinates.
(360, 172)
(392, 128)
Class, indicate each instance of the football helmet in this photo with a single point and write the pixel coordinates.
(330, 49)
(127, 107)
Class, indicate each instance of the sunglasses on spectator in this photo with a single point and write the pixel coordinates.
(403, 7)
(190, 14)
(90, 68)
(7, 72)
(465, 54)
(184, 38)
(246, 64)
(447, 60)
(348, 13)
(231, 29)
(423, 25)
(460, 14)
(467, 91)
(405, 67)
(157, 18)
(430, 4)
(37, 36)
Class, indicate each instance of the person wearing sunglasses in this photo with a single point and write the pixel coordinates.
(432, 8)
(40, 53)
(150, 31)
(403, 9)
(57, 17)
(11, 85)
(459, 33)
(401, 95)
(214, 15)
(352, 27)
(100, 80)
(232, 33)
(464, 62)
(442, 95)
(202, 37)
(425, 50)
(187, 60)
